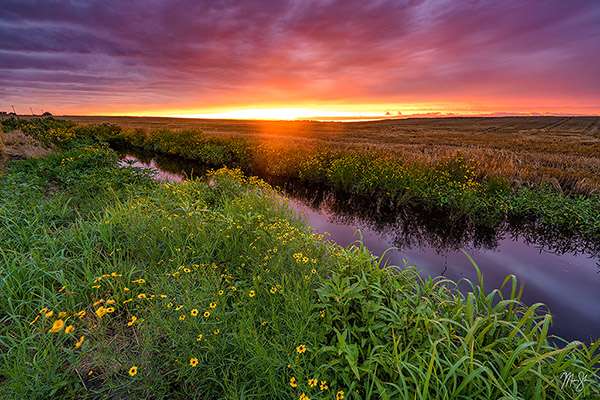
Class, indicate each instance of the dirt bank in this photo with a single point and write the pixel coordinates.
(16, 145)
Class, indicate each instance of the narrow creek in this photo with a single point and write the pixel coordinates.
(555, 268)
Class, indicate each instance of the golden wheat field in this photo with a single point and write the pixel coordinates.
(562, 151)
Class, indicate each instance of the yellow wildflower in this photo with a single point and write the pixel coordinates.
(79, 343)
(57, 326)
(199, 338)
(312, 382)
(194, 312)
(293, 382)
(69, 329)
(182, 317)
(133, 370)
(323, 385)
(251, 294)
(301, 349)
(49, 314)
(213, 305)
(133, 319)
(193, 362)
(339, 395)
(206, 314)
(101, 311)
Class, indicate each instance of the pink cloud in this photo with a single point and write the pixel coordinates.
(189, 53)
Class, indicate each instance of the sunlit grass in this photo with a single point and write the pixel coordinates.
(116, 285)
(462, 183)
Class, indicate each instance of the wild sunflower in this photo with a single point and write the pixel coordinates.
(80, 342)
(57, 326)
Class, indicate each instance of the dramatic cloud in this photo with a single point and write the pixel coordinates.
(154, 56)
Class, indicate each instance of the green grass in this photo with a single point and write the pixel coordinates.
(456, 184)
(130, 260)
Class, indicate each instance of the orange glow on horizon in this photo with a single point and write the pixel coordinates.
(349, 112)
(286, 114)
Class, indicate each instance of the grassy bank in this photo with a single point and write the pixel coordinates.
(455, 183)
(114, 285)
(558, 151)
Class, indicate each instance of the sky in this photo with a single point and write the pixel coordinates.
(300, 58)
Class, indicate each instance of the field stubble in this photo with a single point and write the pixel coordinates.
(561, 151)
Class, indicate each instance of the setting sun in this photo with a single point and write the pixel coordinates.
(291, 60)
(220, 185)
(281, 114)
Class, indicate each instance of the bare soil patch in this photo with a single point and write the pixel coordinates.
(16, 146)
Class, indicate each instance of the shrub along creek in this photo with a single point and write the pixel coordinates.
(117, 285)
(560, 269)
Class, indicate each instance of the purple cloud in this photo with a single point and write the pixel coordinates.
(158, 54)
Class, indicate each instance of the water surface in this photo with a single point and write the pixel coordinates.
(556, 268)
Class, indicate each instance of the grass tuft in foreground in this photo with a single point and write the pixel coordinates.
(116, 285)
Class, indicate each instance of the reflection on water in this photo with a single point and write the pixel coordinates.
(554, 267)
(410, 228)
(171, 168)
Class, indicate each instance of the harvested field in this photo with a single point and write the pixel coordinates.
(561, 151)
